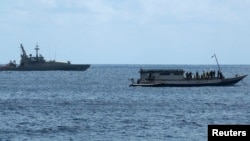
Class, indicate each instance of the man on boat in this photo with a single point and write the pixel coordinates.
(220, 75)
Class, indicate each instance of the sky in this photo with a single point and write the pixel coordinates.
(127, 31)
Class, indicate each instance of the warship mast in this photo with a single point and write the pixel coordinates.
(37, 48)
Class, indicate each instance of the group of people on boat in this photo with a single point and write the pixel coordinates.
(13, 63)
(205, 75)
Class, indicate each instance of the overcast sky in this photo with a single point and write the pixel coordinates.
(127, 31)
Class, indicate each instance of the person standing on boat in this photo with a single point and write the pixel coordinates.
(187, 75)
(197, 75)
(203, 75)
(220, 75)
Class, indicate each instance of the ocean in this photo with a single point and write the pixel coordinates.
(99, 105)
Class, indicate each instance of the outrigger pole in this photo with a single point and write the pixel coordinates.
(216, 62)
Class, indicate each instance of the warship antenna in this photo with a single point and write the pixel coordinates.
(216, 62)
(37, 48)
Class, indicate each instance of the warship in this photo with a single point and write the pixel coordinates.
(38, 63)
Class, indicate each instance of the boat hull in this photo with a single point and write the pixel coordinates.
(48, 67)
(191, 82)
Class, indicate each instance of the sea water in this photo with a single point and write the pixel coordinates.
(99, 105)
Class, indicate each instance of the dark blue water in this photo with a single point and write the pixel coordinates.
(98, 104)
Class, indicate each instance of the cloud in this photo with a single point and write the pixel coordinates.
(206, 10)
(138, 26)
(94, 12)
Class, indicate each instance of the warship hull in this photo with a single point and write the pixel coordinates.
(48, 67)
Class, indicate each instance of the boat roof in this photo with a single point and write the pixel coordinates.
(161, 70)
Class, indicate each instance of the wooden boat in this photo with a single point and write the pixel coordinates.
(175, 78)
(180, 78)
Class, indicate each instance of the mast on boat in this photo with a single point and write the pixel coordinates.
(216, 62)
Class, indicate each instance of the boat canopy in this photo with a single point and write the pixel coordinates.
(163, 71)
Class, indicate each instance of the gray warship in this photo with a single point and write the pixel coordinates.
(38, 63)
